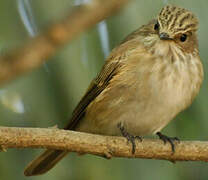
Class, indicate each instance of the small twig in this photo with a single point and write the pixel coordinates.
(106, 146)
(38, 50)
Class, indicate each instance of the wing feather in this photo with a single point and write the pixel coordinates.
(95, 88)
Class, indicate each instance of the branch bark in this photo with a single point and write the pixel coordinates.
(38, 50)
(106, 146)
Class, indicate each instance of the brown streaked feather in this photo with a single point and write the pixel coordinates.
(176, 20)
(95, 88)
(110, 68)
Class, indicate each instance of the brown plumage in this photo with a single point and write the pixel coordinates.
(154, 74)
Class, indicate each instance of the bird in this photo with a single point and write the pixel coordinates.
(150, 77)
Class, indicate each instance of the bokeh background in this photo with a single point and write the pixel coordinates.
(47, 96)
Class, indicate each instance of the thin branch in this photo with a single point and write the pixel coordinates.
(106, 146)
(38, 50)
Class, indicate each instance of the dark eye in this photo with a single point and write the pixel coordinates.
(183, 37)
(156, 27)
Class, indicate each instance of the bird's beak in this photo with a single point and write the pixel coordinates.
(164, 36)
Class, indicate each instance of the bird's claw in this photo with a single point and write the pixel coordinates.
(171, 140)
(130, 138)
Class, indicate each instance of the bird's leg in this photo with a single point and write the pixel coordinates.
(171, 140)
(129, 137)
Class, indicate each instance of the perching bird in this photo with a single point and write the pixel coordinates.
(149, 78)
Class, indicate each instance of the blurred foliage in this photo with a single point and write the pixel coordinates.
(47, 96)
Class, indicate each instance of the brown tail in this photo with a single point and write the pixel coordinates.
(44, 162)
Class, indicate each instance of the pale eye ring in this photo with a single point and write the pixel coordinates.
(156, 26)
(183, 37)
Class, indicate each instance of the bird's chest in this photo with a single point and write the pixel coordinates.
(178, 86)
(161, 95)
(173, 89)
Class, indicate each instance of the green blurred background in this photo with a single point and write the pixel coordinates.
(47, 95)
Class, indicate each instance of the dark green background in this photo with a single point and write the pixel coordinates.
(47, 95)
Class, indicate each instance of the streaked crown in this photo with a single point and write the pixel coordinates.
(175, 20)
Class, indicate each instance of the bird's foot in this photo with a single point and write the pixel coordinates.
(171, 140)
(130, 138)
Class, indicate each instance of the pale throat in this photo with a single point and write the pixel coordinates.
(179, 65)
(166, 49)
(175, 72)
